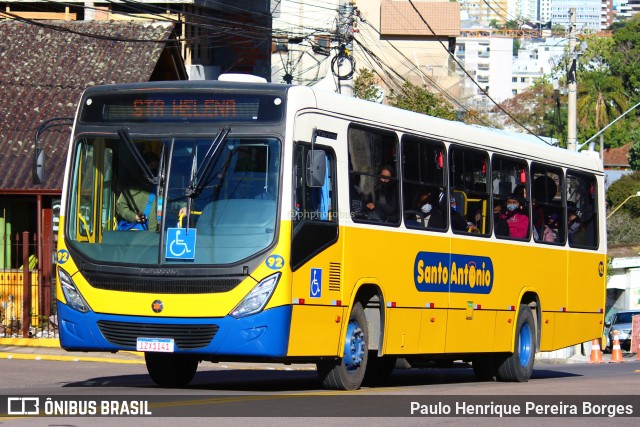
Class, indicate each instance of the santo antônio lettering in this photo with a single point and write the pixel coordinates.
(442, 272)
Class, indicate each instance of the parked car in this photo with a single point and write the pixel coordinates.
(621, 322)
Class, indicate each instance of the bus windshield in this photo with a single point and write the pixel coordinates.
(126, 192)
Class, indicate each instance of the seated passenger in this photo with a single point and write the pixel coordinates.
(517, 220)
(428, 205)
(500, 221)
(576, 228)
(458, 221)
(384, 207)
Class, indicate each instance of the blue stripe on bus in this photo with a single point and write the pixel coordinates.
(265, 334)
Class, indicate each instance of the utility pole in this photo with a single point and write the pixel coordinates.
(572, 84)
(343, 64)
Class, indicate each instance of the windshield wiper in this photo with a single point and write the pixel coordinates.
(123, 133)
(201, 176)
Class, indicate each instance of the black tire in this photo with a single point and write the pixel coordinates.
(379, 369)
(444, 363)
(347, 373)
(517, 367)
(484, 367)
(171, 370)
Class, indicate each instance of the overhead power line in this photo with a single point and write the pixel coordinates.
(469, 75)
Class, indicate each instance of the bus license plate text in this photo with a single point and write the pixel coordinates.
(164, 345)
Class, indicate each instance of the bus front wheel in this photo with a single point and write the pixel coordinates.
(518, 366)
(171, 370)
(348, 372)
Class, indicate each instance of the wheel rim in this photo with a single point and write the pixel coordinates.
(524, 344)
(353, 346)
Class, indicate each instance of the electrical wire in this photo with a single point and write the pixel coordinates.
(469, 75)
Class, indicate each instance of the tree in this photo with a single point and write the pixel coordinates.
(419, 99)
(634, 150)
(623, 227)
(601, 99)
(535, 108)
(620, 190)
(365, 85)
(625, 55)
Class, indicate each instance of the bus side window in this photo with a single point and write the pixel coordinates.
(510, 181)
(373, 179)
(423, 183)
(468, 188)
(582, 210)
(547, 197)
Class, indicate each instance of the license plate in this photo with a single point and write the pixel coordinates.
(163, 345)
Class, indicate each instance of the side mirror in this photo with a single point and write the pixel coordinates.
(316, 168)
(38, 167)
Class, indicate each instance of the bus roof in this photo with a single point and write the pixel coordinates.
(496, 140)
(368, 112)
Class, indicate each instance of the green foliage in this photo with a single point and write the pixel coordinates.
(601, 99)
(365, 85)
(619, 191)
(623, 229)
(625, 55)
(419, 99)
(537, 109)
(634, 151)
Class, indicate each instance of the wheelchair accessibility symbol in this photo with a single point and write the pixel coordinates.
(181, 243)
(315, 284)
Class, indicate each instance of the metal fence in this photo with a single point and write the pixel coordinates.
(23, 285)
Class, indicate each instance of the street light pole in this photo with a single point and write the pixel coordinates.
(572, 85)
(620, 205)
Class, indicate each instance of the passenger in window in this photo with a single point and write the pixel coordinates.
(577, 232)
(428, 205)
(458, 221)
(548, 233)
(500, 221)
(384, 207)
(517, 220)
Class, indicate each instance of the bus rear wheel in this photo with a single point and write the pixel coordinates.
(171, 370)
(348, 372)
(518, 366)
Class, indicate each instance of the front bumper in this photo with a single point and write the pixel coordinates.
(265, 334)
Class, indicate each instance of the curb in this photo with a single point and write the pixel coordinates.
(61, 358)
(31, 342)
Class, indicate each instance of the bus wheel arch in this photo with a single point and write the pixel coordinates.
(518, 366)
(362, 339)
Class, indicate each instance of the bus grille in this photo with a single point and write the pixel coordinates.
(160, 285)
(185, 336)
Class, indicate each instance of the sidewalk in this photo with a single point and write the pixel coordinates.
(49, 349)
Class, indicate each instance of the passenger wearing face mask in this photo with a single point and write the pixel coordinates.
(384, 206)
(577, 234)
(427, 204)
(517, 220)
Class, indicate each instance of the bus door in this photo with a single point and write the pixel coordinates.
(316, 253)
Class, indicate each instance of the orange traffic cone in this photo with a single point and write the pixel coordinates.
(616, 352)
(596, 353)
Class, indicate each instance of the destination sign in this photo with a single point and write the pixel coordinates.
(181, 107)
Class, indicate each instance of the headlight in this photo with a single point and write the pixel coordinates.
(255, 301)
(71, 293)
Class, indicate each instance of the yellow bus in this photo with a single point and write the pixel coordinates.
(226, 221)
